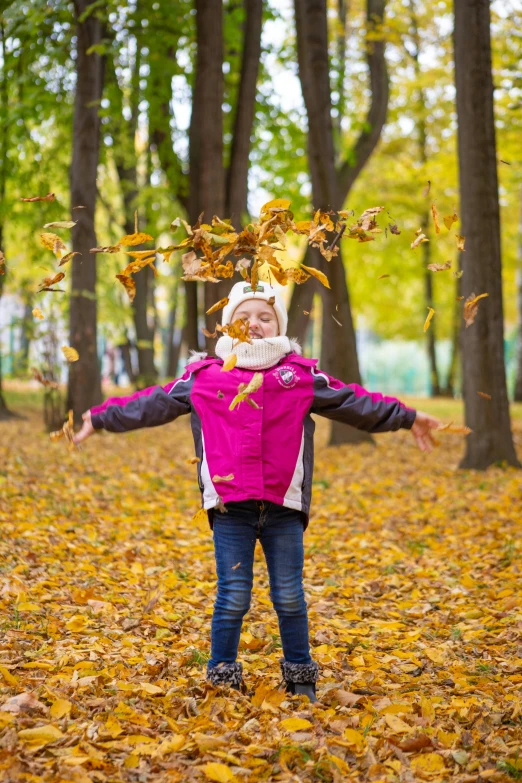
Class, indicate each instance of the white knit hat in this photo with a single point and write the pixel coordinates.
(243, 291)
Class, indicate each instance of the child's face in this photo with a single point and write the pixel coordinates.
(261, 317)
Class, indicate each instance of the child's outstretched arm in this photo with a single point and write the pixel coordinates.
(370, 411)
(146, 408)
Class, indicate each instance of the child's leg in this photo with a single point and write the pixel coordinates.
(234, 544)
(282, 541)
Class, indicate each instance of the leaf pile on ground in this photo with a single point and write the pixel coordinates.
(107, 580)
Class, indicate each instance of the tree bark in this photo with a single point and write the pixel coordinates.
(84, 388)
(482, 344)
(338, 345)
(518, 378)
(207, 179)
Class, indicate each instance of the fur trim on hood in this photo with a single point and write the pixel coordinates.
(198, 356)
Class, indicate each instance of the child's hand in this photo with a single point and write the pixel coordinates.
(421, 430)
(86, 430)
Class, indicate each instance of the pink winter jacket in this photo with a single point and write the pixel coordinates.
(268, 450)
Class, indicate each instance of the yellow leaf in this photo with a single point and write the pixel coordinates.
(59, 708)
(71, 354)
(427, 709)
(316, 273)
(435, 216)
(218, 306)
(37, 313)
(229, 363)
(356, 740)
(135, 239)
(428, 319)
(218, 772)
(434, 655)
(460, 242)
(218, 479)
(170, 745)
(450, 219)
(428, 765)
(76, 623)
(277, 203)
(131, 761)
(26, 606)
(8, 677)
(5, 719)
(113, 726)
(148, 687)
(41, 735)
(295, 724)
(397, 725)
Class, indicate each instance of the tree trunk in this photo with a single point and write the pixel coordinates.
(26, 337)
(84, 388)
(518, 379)
(338, 346)
(482, 344)
(5, 413)
(125, 351)
(207, 178)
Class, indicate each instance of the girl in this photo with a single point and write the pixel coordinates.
(256, 463)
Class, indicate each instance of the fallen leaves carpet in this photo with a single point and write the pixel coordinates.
(412, 577)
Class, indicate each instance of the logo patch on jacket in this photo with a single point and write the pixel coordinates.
(286, 376)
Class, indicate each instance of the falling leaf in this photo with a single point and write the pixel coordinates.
(71, 354)
(61, 224)
(381, 277)
(193, 461)
(210, 335)
(108, 249)
(426, 191)
(48, 197)
(53, 242)
(236, 566)
(428, 319)
(275, 204)
(420, 239)
(37, 313)
(460, 240)
(483, 394)
(450, 219)
(2, 263)
(229, 363)
(439, 267)
(435, 216)
(66, 432)
(459, 429)
(135, 239)
(336, 321)
(316, 273)
(247, 389)
(218, 306)
(471, 308)
(458, 274)
(295, 724)
(67, 257)
(218, 479)
(394, 229)
(129, 284)
(48, 282)
(37, 375)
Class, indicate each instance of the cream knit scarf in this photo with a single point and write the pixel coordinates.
(258, 355)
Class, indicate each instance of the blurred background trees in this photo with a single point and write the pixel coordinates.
(175, 108)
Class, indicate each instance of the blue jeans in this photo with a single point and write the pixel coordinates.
(280, 531)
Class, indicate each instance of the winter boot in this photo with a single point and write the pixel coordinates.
(226, 674)
(300, 678)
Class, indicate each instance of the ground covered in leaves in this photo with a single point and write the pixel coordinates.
(412, 577)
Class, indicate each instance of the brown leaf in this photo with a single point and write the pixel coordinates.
(23, 702)
(67, 257)
(47, 282)
(108, 249)
(48, 197)
(420, 239)
(414, 744)
(483, 394)
(210, 335)
(129, 284)
(2, 263)
(218, 479)
(426, 191)
(471, 308)
(381, 277)
(394, 228)
(439, 267)
(435, 216)
(460, 240)
(53, 242)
